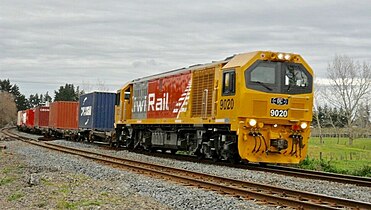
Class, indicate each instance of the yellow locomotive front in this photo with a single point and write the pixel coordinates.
(268, 98)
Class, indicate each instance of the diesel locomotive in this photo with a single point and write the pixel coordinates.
(253, 106)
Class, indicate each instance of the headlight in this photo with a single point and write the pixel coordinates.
(280, 56)
(287, 57)
(252, 122)
(303, 125)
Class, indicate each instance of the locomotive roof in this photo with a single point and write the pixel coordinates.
(181, 70)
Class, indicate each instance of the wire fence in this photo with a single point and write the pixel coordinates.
(343, 156)
(341, 132)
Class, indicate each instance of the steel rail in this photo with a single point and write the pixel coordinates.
(265, 193)
(341, 178)
(248, 190)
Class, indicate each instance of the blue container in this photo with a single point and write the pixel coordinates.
(97, 111)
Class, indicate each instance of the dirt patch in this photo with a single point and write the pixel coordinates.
(23, 187)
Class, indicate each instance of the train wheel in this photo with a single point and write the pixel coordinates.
(234, 159)
(200, 156)
(215, 158)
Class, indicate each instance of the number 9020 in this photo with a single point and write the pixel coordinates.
(278, 113)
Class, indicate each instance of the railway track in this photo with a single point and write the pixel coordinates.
(266, 194)
(341, 178)
(287, 171)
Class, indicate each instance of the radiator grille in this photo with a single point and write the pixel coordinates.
(201, 80)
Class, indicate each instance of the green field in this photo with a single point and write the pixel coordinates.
(340, 157)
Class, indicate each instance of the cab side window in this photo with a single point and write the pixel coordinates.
(229, 83)
(118, 95)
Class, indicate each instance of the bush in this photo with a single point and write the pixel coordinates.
(8, 109)
(364, 171)
(320, 165)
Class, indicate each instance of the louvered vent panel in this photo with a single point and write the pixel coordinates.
(298, 110)
(201, 80)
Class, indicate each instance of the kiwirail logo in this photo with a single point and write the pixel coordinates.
(155, 103)
(159, 103)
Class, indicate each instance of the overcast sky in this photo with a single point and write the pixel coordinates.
(45, 44)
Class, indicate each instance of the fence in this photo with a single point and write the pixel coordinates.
(341, 132)
(343, 156)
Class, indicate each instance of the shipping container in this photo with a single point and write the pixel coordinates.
(63, 115)
(97, 111)
(19, 118)
(41, 116)
(30, 118)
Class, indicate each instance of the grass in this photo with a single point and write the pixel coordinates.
(15, 196)
(6, 180)
(77, 204)
(339, 157)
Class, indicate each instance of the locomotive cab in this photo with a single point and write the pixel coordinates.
(269, 98)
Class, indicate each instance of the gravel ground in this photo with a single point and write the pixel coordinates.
(75, 182)
(317, 186)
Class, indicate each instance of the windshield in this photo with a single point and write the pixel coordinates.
(278, 77)
(264, 74)
(295, 77)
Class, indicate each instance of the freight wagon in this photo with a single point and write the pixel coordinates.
(21, 119)
(63, 119)
(41, 119)
(97, 116)
(30, 119)
(253, 106)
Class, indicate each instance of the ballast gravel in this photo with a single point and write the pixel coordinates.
(168, 194)
(316, 186)
(335, 189)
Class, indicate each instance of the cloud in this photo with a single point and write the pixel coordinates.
(47, 44)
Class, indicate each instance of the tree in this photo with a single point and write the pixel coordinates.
(350, 84)
(8, 109)
(316, 113)
(363, 116)
(37, 100)
(20, 100)
(332, 117)
(99, 85)
(34, 100)
(47, 97)
(67, 93)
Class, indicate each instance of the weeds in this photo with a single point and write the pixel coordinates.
(6, 180)
(321, 165)
(66, 205)
(15, 196)
(364, 171)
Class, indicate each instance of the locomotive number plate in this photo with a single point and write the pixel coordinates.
(278, 113)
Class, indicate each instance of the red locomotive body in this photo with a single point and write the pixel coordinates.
(166, 95)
